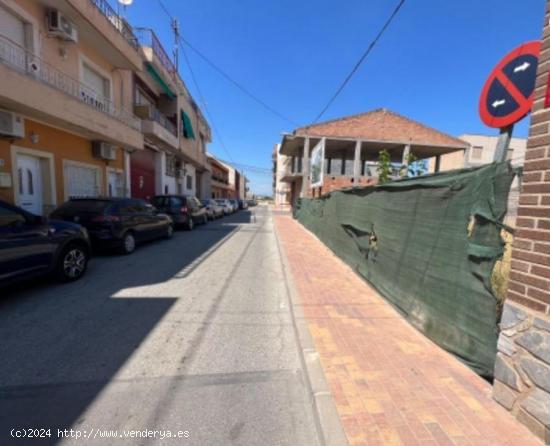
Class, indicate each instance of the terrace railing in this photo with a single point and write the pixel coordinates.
(27, 63)
(147, 37)
(117, 21)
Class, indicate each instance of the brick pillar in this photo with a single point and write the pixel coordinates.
(522, 368)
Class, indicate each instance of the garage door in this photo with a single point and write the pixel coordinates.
(82, 181)
(12, 28)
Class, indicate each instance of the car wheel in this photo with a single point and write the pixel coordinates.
(190, 224)
(169, 232)
(204, 219)
(128, 243)
(72, 263)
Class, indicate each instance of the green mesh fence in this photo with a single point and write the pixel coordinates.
(428, 245)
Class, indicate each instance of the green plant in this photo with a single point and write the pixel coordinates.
(384, 166)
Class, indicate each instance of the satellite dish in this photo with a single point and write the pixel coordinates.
(126, 2)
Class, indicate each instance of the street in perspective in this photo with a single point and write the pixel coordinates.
(293, 223)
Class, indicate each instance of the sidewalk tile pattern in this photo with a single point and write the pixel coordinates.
(391, 385)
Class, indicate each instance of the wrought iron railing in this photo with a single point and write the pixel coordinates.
(117, 21)
(147, 37)
(27, 63)
(149, 112)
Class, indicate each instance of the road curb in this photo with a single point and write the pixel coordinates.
(331, 431)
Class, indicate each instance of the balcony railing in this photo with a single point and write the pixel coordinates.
(147, 37)
(27, 63)
(118, 22)
(220, 179)
(147, 111)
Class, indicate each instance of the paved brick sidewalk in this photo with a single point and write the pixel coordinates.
(392, 386)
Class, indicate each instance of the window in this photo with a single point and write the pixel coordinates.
(82, 181)
(96, 89)
(8, 217)
(477, 152)
(189, 180)
(12, 27)
(171, 166)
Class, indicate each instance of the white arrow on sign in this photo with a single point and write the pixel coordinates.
(497, 104)
(522, 67)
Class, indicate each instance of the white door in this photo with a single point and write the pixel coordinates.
(29, 183)
(81, 181)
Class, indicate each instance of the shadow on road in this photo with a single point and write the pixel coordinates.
(62, 344)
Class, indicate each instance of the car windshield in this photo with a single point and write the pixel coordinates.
(160, 201)
(88, 206)
(220, 201)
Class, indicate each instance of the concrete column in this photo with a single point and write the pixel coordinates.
(406, 153)
(127, 175)
(437, 163)
(305, 168)
(160, 172)
(357, 162)
(522, 368)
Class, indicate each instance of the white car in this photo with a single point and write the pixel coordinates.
(226, 205)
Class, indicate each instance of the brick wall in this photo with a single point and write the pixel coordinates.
(522, 368)
(331, 183)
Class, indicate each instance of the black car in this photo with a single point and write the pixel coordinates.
(31, 245)
(242, 204)
(119, 223)
(184, 210)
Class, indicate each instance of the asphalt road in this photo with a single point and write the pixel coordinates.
(191, 335)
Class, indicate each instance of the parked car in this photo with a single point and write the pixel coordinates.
(213, 209)
(119, 223)
(242, 204)
(226, 205)
(252, 203)
(31, 245)
(184, 210)
(235, 204)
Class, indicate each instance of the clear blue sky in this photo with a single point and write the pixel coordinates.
(430, 65)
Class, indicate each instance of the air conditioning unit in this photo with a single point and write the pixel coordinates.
(60, 26)
(11, 124)
(103, 150)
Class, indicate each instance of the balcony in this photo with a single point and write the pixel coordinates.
(292, 169)
(31, 85)
(220, 182)
(156, 55)
(116, 21)
(156, 125)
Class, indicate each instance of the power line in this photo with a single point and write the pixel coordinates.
(228, 77)
(249, 168)
(196, 83)
(361, 59)
(201, 97)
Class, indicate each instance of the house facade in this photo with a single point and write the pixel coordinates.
(348, 150)
(90, 107)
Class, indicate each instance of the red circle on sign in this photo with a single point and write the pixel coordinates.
(524, 103)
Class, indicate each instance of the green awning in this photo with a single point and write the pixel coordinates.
(158, 79)
(187, 126)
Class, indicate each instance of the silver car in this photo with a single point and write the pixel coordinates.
(213, 209)
(226, 205)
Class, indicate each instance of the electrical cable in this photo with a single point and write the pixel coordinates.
(228, 77)
(361, 60)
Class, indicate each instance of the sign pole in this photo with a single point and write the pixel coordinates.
(503, 143)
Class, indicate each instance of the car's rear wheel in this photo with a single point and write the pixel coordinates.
(72, 262)
(128, 243)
